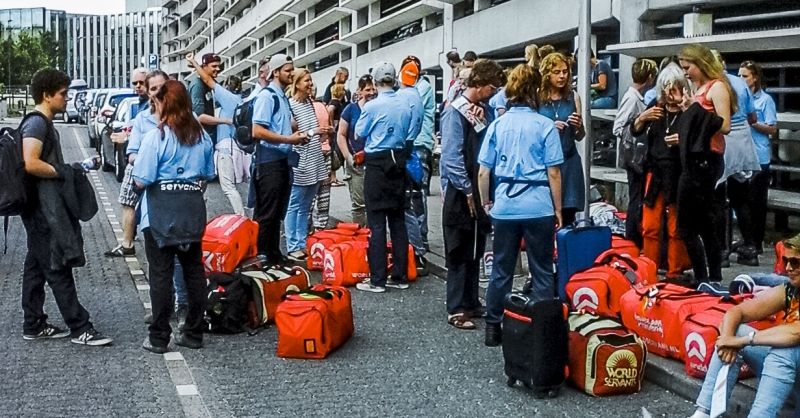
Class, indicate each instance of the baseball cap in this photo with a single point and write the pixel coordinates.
(383, 72)
(210, 57)
(279, 60)
(409, 73)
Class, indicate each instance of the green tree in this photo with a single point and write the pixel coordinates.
(28, 52)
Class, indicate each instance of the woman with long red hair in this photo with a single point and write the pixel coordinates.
(173, 164)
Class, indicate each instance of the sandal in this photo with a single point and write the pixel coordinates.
(120, 251)
(460, 321)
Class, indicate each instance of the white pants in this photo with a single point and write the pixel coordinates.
(227, 180)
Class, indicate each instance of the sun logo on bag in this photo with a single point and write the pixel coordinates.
(622, 368)
(585, 298)
(695, 347)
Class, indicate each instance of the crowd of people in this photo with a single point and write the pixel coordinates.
(692, 138)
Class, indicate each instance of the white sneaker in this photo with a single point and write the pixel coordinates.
(369, 287)
(699, 414)
(396, 285)
(91, 337)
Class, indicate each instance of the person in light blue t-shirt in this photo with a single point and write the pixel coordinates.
(179, 151)
(232, 163)
(522, 151)
(384, 124)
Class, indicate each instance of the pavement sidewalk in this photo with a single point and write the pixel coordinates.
(666, 373)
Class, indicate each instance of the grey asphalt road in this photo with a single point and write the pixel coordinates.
(404, 360)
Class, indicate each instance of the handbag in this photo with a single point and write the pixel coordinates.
(177, 212)
(414, 168)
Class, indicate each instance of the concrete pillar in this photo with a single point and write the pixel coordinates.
(374, 15)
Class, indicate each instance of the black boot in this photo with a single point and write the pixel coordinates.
(494, 335)
(748, 256)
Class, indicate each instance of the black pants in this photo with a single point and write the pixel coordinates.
(723, 229)
(273, 186)
(376, 253)
(161, 267)
(700, 217)
(759, 192)
(633, 221)
(739, 195)
(464, 247)
(36, 272)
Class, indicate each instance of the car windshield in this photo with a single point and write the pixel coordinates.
(114, 101)
(99, 100)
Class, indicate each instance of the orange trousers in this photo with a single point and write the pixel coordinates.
(677, 257)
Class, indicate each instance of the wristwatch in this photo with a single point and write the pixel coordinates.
(750, 337)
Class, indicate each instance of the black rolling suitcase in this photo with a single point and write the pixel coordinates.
(535, 343)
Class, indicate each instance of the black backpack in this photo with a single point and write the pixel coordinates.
(12, 174)
(227, 304)
(243, 122)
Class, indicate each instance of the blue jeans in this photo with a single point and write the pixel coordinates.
(419, 198)
(179, 285)
(413, 230)
(296, 222)
(604, 103)
(539, 241)
(776, 368)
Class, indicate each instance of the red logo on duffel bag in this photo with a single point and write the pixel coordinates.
(585, 298)
(695, 347)
(317, 249)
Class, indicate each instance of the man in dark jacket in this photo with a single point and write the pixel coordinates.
(41, 151)
(464, 221)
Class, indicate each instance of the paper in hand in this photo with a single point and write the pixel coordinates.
(465, 108)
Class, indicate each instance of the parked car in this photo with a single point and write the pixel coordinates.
(115, 114)
(91, 112)
(83, 101)
(104, 105)
(71, 115)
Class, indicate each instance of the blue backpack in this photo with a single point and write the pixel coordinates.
(243, 121)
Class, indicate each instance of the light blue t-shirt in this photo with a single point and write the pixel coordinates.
(384, 122)
(227, 101)
(498, 101)
(166, 159)
(744, 99)
(417, 111)
(425, 137)
(521, 145)
(143, 123)
(766, 114)
(279, 121)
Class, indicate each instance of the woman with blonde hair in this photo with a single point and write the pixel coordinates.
(532, 56)
(521, 150)
(559, 103)
(311, 169)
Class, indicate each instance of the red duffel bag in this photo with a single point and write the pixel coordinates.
(268, 288)
(656, 313)
(345, 264)
(625, 246)
(600, 288)
(317, 242)
(313, 323)
(604, 358)
(227, 241)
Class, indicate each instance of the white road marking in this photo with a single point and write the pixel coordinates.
(191, 400)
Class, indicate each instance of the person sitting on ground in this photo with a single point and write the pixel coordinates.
(773, 354)
(522, 153)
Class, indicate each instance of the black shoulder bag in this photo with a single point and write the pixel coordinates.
(177, 212)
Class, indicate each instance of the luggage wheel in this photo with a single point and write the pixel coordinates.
(511, 381)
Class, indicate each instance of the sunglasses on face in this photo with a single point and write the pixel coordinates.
(794, 262)
(138, 83)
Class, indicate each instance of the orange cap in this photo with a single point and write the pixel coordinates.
(409, 74)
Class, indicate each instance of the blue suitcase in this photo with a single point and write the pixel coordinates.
(578, 245)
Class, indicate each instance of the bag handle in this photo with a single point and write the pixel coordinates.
(615, 256)
(652, 292)
(322, 294)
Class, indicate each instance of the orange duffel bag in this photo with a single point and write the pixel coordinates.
(625, 246)
(605, 359)
(599, 289)
(313, 323)
(317, 242)
(345, 264)
(227, 241)
(656, 313)
(268, 288)
(700, 332)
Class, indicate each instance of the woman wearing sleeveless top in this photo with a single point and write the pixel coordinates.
(773, 353)
(713, 93)
(562, 106)
(311, 169)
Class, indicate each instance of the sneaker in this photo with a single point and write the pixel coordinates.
(494, 335)
(396, 285)
(148, 319)
(713, 288)
(91, 337)
(184, 341)
(699, 414)
(298, 256)
(147, 345)
(120, 251)
(369, 287)
(180, 314)
(47, 333)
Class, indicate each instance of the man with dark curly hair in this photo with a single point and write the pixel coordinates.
(45, 170)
